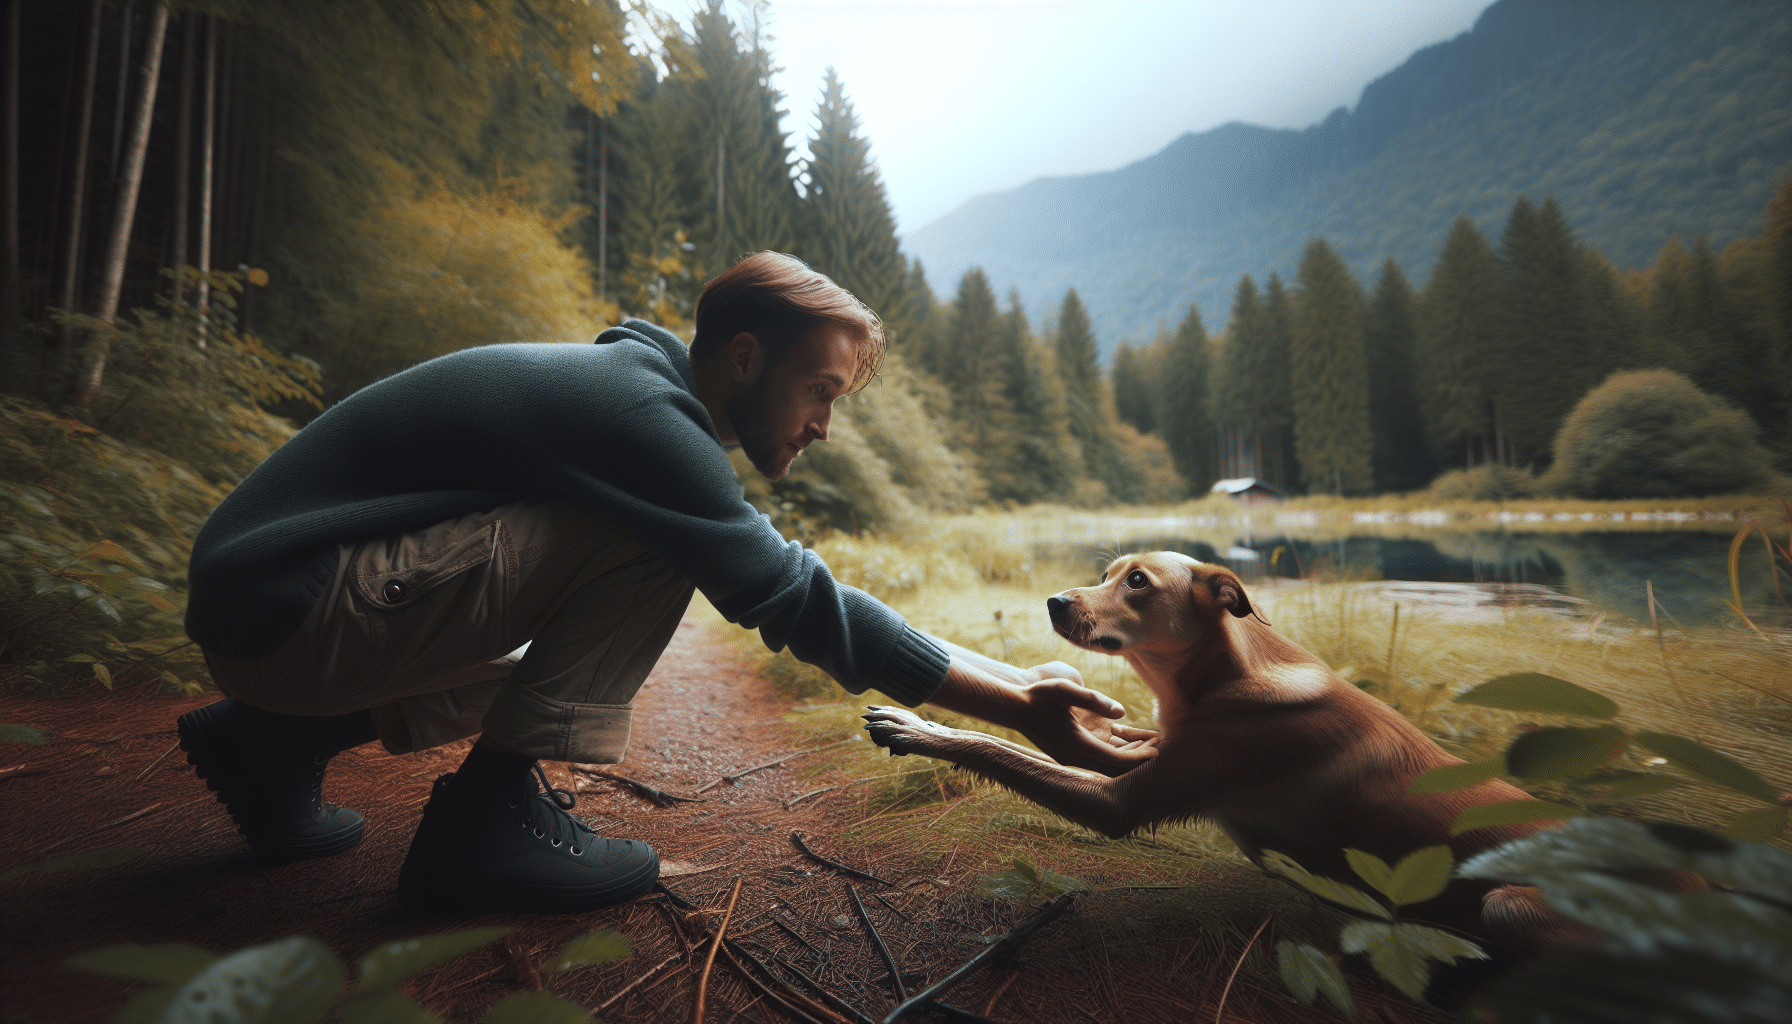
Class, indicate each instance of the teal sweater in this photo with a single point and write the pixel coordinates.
(614, 426)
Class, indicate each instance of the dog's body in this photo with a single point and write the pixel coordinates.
(1255, 734)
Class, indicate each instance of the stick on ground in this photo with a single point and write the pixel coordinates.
(797, 838)
(714, 947)
(878, 941)
(744, 772)
(1001, 950)
(659, 797)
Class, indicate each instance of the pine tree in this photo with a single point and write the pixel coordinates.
(1694, 321)
(652, 241)
(970, 363)
(1075, 348)
(1402, 458)
(1456, 338)
(1037, 459)
(1132, 390)
(850, 233)
(1330, 372)
(1777, 241)
(1543, 363)
(1188, 429)
(739, 183)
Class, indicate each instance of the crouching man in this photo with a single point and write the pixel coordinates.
(367, 581)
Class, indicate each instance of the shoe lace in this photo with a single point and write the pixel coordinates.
(547, 813)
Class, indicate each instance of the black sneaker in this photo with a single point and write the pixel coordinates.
(515, 849)
(268, 771)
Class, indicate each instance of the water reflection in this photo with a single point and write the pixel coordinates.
(1609, 571)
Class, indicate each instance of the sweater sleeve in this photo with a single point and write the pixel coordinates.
(661, 474)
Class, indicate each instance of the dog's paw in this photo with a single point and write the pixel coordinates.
(902, 731)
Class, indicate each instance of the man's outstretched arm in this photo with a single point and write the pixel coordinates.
(1049, 705)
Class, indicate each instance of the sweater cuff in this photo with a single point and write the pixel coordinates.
(915, 670)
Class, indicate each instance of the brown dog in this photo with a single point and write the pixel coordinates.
(1256, 735)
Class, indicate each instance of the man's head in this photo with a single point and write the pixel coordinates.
(776, 344)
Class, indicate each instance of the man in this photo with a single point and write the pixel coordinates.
(367, 580)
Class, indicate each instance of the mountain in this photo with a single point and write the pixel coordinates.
(1644, 118)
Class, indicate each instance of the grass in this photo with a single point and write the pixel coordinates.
(980, 580)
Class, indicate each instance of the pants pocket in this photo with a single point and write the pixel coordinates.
(438, 598)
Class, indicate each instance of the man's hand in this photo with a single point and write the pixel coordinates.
(1049, 705)
(1076, 726)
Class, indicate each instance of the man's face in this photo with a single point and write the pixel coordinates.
(784, 410)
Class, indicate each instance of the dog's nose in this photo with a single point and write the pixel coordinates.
(1056, 605)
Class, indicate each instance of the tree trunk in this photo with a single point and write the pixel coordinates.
(71, 261)
(124, 74)
(93, 357)
(207, 123)
(9, 180)
(183, 155)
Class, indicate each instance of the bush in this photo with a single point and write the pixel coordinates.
(1484, 483)
(1654, 434)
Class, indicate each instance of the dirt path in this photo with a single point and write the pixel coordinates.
(1143, 956)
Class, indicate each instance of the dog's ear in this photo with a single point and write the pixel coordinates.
(1229, 594)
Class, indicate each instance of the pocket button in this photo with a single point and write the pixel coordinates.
(394, 591)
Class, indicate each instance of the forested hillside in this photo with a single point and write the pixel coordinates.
(1644, 119)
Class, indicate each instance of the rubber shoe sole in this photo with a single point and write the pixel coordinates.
(203, 736)
(421, 893)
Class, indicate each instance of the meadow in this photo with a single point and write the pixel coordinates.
(980, 580)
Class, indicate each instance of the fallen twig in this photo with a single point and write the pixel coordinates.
(792, 932)
(1007, 947)
(1224, 992)
(830, 998)
(152, 765)
(808, 1008)
(793, 801)
(710, 961)
(659, 797)
(878, 941)
(797, 837)
(744, 772)
(114, 823)
(19, 771)
(630, 987)
(891, 907)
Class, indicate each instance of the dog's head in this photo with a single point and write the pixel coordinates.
(1162, 601)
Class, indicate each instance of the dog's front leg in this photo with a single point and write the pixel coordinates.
(1095, 802)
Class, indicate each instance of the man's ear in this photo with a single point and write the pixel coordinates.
(1229, 594)
(744, 356)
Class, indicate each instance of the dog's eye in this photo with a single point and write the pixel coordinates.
(1136, 580)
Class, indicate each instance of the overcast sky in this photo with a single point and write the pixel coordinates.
(961, 98)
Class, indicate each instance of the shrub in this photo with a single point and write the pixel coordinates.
(1654, 434)
(1484, 483)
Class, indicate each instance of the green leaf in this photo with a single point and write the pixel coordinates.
(81, 658)
(599, 947)
(1539, 694)
(1371, 868)
(171, 963)
(1335, 891)
(1307, 972)
(388, 963)
(1052, 884)
(1421, 875)
(1621, 783)
(1006, 885)
(1026, 869)
(290, 981)
(22, 734)
(1556, 753)
(1457, 776)
(389, 1006)
(1690, 755)
(536, 1008)
(103, 674)
(1758, 826)
(1401, 953)
(1510, 812)
(1613, 844)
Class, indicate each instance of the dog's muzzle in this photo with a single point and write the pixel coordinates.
(1057, 606)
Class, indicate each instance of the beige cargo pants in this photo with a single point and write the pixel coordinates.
(425, 629)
